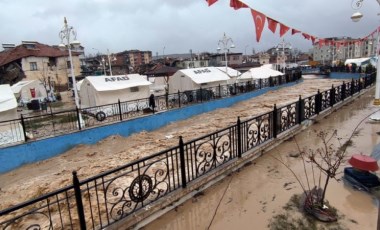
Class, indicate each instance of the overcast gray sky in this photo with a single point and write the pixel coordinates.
(179, 25)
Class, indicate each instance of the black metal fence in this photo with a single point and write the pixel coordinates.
(105, 199)
(52, 124)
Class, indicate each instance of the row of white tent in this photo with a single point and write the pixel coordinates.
(102, 90)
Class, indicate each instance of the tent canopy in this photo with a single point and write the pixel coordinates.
(117, 82)
(259, 72)
(16, 88)
(362, 61)
(205, 75)
(230, 72)
(7, 98)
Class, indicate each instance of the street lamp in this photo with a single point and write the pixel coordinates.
(295, 55)
(357, 4)
(102, 61)
(111, 58)
(283, 45)
(65, 34)
(224, 42)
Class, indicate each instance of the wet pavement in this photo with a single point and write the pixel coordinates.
(248, 199)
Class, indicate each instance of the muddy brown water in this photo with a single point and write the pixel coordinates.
(45, 176)
(250, 198)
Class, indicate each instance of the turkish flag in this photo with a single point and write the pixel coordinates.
(321, 42)
(210, 2)
(259, 20)
(312, 39)
(294, 31)
(236, 4)
(306, 36)
(283, 29)
(272, 24)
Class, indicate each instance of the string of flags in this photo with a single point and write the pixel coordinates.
(260, 19)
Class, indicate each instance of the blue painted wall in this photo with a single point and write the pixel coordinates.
(339, 75)
(15, 156)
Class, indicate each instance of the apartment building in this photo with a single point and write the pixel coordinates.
(338, 49)
(35, 61)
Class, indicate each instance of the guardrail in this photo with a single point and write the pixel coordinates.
(105, 199)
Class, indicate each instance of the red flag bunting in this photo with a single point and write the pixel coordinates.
(321, 42)
(306, 36)
(283, 29)
(272, 24)
(312, 39)
(259, 20)
(294, 31)
(210, 2)
(236, 4)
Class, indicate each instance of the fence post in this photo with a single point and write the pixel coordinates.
(332, 96)
(239, 137)
(200, 91)
(78, 118)
(352, 87)
(274, 121)
(167, 99)
(318, 102)
(343, 91)
(235, 90)
(78, 199)
(300, 110)
(220, 92)
(121, 116)
(260, 83)
(23, 128)
(182, 160)
(179, 99)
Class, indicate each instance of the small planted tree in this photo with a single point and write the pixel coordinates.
(324, 162)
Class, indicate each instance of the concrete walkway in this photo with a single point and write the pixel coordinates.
(248, 199)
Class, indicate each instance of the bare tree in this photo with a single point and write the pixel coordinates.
(324, 160)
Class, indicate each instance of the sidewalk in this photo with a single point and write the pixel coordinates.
(249, 198)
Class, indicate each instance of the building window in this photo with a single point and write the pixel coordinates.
(134, 89)
(33, 66)
(68, 64)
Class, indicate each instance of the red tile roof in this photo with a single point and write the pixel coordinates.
(21, 51)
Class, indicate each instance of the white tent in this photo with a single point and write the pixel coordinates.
(9, 132)
(8, 103)
(27, 90)
(259, 73)
(232, 73)
(193, 79)
(362, 61)
(102, 90)
(78, 84)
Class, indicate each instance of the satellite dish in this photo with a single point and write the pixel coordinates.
(357, 4)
